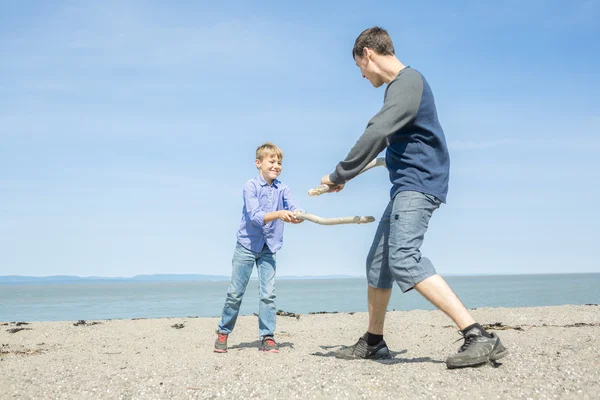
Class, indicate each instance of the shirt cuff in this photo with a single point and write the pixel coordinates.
(259, 218)
(335, 178)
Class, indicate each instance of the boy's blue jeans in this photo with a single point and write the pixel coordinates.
(243, 262)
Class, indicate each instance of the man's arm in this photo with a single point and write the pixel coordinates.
(399, 109)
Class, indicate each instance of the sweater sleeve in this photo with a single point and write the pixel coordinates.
(400, 107)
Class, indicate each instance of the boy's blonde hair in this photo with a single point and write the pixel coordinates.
(266, 149)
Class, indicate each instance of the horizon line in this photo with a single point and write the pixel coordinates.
(289, 276)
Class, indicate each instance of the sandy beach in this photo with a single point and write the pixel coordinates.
(554, 353)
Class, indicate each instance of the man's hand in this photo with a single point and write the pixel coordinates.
(288, 216)
(333, 187)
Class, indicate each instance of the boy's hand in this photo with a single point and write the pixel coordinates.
(299, 220)
(288, 216)
(333, 187)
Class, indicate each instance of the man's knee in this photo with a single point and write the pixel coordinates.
(410, 272)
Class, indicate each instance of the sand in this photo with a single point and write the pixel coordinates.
(554, 353)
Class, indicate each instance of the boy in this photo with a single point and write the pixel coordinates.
(268, 203)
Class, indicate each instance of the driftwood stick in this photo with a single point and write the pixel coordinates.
(378, 162)
(334, 221)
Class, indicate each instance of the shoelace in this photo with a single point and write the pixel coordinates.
(270, 342)
(222, 338)
(468, 340)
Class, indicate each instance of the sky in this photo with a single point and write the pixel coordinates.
(128, 128)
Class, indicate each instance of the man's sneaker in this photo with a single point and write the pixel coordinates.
(221, 343)
(361, 349)
(268, 344)
(476, 350)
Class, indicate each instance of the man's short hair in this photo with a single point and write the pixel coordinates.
(376, 39)
(268, 149)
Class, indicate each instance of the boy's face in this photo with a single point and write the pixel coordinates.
(269, 167)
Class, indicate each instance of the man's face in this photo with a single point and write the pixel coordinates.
(368, 69)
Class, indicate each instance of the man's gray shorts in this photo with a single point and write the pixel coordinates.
(395, 253)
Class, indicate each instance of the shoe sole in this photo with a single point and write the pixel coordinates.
(269, 351)
(498, 355)
(495, 355)
(219, 350)
(386, 356)
(380, 355)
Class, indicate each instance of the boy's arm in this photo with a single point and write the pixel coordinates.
(257, 215)
(253, 209)
(287, 214)
(284, 215)
(399, 109)
(292, 205)
(272, 216)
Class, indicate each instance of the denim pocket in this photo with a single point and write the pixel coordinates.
(432, 199)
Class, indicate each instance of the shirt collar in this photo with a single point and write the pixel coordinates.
(262, 181)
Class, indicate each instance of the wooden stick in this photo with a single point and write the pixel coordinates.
(378, 162)
(334, 221)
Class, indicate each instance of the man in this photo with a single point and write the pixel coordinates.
(407, 126)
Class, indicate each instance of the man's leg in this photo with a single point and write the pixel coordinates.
(411, 213)
(380, 284)
(379, 278)
(479, 346)
(436, 290)
(378, 302)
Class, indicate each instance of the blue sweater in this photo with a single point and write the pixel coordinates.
(407, 125)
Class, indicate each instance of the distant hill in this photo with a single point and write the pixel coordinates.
(56, 279)
(15, 279)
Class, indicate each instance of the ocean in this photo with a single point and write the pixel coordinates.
(126, 300)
